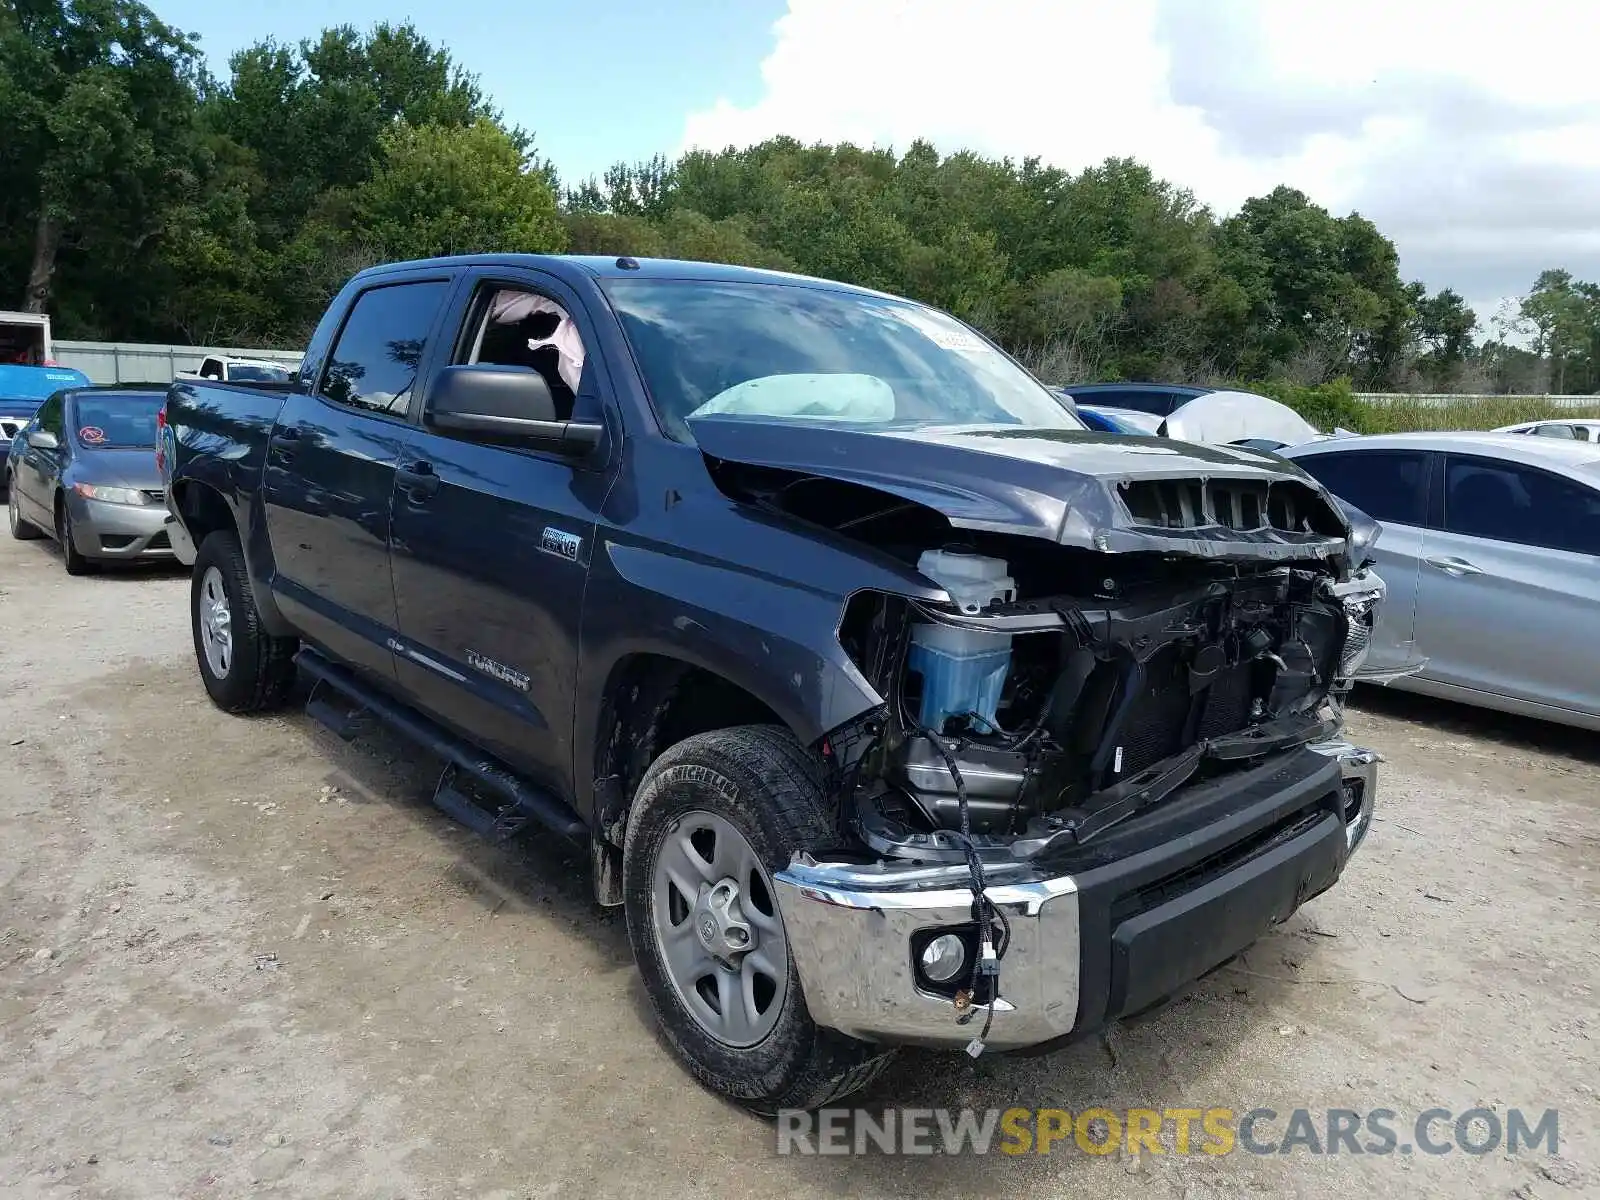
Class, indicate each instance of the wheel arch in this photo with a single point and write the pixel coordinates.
(205, 510)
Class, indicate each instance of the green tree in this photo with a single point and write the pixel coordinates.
(1442, 326)
(441, 190)
(98, 100)
(1558, 315)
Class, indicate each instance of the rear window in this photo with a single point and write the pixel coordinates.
(1388, 485)
(117, 421)
(242, 373)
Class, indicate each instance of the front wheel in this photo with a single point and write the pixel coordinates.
(245, 669)
(22, 530)
(715, 817)
(76, 563)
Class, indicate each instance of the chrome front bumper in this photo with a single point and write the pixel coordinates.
(850, 928)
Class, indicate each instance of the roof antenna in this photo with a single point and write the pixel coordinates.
(627, 263)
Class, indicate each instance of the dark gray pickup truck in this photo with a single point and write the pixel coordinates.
(892, 705)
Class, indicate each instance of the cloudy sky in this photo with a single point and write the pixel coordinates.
(1468, 131)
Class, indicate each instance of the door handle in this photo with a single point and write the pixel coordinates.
(1454, 566)
(281, 443)
(418, 480)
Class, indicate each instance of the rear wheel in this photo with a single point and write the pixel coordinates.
(245, 669)
(23, 531)
(715, 817)
(76, 563)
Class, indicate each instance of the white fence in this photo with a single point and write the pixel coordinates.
(143, 362)
(1444, 401)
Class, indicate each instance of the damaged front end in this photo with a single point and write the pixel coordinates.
(1105, 756)
(1035, 722)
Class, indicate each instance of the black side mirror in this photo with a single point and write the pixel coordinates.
(43, 439)
(506, 404)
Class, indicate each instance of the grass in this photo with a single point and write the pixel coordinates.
(1407, 414)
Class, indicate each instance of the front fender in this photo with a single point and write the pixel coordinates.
(776, 639)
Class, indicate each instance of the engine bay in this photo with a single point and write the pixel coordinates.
(1016, 715)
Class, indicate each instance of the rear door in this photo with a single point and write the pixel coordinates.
(492, 543)
(1391, 486)
(1506, 598)
(330, 471)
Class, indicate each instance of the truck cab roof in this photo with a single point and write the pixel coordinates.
(571, 267)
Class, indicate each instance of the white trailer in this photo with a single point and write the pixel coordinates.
(25, 340)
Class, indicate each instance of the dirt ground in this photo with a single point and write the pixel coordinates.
(241, 957)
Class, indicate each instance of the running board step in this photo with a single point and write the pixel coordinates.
(499, 824)
(335, 711)
(519, 802)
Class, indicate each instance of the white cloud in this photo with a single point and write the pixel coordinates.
(1469, 131)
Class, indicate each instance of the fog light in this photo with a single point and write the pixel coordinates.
(943, 958)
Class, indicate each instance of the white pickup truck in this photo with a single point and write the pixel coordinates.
(226, 369)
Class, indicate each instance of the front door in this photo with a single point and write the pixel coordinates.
(492, 544)
(330, 472)
(40, 466)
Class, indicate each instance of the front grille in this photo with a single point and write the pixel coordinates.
(159, 542)
(1154, 726)
(155, 495)
(1241, 504)
(1358, 640)
(10, 427)
(1227, 703)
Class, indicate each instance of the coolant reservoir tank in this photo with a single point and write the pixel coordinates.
(972, 580)
(963, 670)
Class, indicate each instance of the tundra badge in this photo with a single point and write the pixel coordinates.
(562, 545)
(497, 670)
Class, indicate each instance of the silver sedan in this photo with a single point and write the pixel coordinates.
(1491, 552)
(83, 471)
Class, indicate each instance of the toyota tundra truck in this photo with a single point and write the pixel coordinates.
(892, 706)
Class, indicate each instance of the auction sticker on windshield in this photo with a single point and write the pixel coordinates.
(945, 336)
(91, 435)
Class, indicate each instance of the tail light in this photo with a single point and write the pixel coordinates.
(161, 439)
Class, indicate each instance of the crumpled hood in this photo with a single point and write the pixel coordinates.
(1097, 491)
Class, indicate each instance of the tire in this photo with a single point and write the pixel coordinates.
(257, 672)
(76, 563)
(23, 531)
(763, 784)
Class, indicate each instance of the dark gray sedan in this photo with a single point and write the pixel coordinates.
(83, 470)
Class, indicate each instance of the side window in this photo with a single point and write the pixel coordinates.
(1385, 484)
(210, 369)
(374, 362)
(513, 327)
(1509, 502)
(1556, 431)
(51, 412)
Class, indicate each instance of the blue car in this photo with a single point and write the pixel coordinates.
(1130, 407)
(22, 390)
